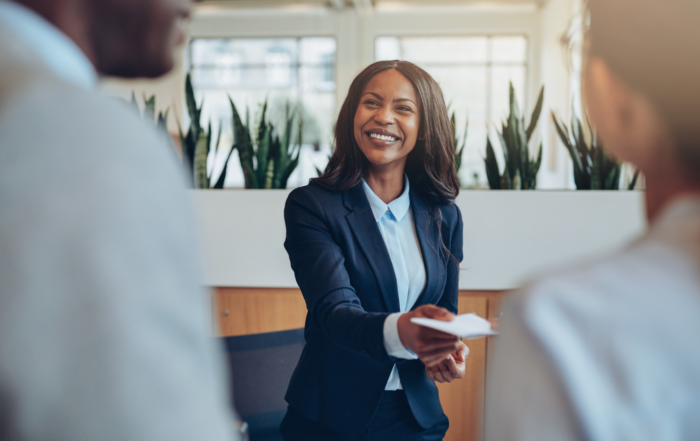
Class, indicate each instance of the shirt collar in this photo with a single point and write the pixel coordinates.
(398, 207)
(679, 224)
(60, 54)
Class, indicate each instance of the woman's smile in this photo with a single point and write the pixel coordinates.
(382, 138)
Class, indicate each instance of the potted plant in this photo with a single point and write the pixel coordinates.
(520, 171)
(593, 168)
(197, 143)
(267, 159)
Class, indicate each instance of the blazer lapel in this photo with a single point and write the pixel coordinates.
(367, 234)
(429, 240)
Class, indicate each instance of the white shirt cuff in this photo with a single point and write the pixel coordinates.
(392, 341)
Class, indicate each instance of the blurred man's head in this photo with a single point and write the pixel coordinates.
(643, 81)
(126, 38)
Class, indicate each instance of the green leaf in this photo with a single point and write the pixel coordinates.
(514, 108)
(244, 146)
(492, 173)
(163, 120)
(536, 114)
(263, 145)
(634, 181)
(149, 109)
(222, 177)
(575, 158)
(192, 109)
(200, 162)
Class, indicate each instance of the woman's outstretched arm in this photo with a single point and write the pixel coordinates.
(319, 268)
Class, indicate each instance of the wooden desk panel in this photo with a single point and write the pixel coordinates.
(243, 311)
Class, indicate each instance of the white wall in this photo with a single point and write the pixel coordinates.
(556, 171)
(509, 236)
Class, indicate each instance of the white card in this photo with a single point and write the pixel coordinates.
(466, 326)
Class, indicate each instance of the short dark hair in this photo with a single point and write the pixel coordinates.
(652, 45)
(430, 167)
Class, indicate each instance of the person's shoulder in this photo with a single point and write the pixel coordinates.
(451, 213)
(66, 134)
(628, 286)
(615, 328)
(603, 276)
(80, 121)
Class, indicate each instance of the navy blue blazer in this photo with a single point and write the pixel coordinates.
(346, 276)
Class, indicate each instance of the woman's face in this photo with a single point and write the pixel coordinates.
(387, 120)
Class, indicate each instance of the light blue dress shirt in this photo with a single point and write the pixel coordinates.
(395, 222)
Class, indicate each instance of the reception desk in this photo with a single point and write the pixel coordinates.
(509, 237)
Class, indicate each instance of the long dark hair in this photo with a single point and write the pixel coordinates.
(430, 166)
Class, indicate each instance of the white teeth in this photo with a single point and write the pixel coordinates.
(382, 137)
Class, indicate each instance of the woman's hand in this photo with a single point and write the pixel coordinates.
(450, 369)
(430, 345)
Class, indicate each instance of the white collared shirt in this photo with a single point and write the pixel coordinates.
(60, 54)
(608, 351)
(395, 222)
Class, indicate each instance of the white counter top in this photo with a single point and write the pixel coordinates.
(509, 236)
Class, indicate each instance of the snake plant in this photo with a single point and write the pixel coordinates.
(266, 159)
(459, 144)
(593, 168)
(149, 112)
(520, 171)
(197, 144)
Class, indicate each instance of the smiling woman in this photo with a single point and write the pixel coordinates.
(374, 242)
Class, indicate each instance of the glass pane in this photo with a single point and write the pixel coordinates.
(444, 50)
(387, 48)
(317, 79)
(509, 49)
(319, 51)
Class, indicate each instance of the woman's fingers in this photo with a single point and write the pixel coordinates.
(461, 353)
(446, 369)
(435, 312)
(439, 373)
(434, 334)
(434, 373)
(451, 366)
(437, 351)
(429, 372)
(432, 360)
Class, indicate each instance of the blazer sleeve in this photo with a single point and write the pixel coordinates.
(450, 296)
(319, 267)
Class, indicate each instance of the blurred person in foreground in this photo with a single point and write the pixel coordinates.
(609, 351)
(104, 329)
